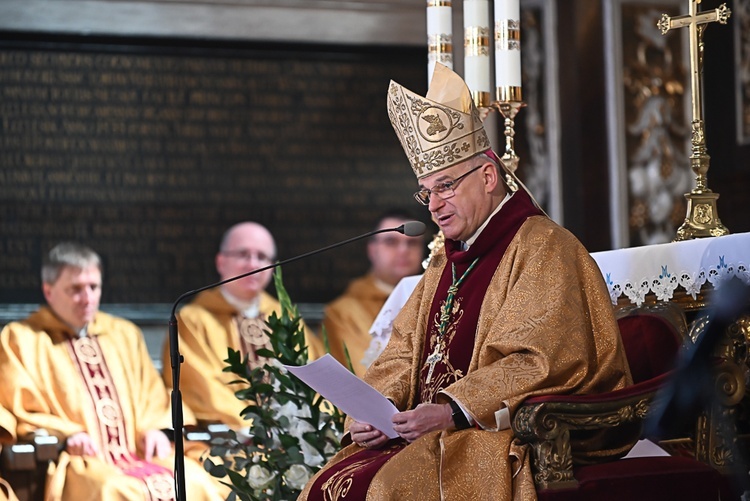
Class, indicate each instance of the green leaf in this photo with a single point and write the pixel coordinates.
(216, 470)
(348, 359)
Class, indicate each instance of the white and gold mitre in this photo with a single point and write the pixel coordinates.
(439, 130)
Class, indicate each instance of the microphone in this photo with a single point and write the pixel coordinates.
(409, 228)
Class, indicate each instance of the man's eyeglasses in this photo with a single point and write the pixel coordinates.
(443, 190)
(247, 256)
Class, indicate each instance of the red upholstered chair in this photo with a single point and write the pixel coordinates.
(577, 441)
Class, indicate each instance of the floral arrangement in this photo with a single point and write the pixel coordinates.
(292, 430)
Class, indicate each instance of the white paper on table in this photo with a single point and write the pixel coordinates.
(349, 393)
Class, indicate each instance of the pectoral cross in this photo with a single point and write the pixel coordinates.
(435, 357)
(702, 217)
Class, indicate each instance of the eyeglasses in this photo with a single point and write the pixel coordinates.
(247, 256)
(443, 190)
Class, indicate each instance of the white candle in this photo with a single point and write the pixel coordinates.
(439, 35)
(477, 49)
(507, 43)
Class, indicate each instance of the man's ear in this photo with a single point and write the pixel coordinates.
(491, 177)
(46, 290)
(219, 261)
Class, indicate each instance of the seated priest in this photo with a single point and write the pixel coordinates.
(230, 316)
(348, 318)
(7, 436)
(513, 306)
(84, 376)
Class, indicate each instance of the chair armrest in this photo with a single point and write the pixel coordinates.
(568, 430)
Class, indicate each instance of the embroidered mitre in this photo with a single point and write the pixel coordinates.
(441, 129)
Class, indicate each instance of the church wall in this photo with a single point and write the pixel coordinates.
(383, 37)
(147, 150)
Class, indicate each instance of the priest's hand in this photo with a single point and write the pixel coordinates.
(81, 444)
(155, 443)
(366, 435)
(411, 425)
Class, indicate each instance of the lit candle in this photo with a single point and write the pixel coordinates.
(477, 50)
(439, 35)
(508, 50)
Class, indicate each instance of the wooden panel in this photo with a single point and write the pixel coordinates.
(148, 151)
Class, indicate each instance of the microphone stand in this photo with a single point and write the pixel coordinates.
(411, 229)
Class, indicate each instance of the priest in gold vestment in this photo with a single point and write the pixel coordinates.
(512, 306)
(348, 318)
(232, 316)
(86, 377)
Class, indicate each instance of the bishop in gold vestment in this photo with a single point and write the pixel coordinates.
(512, 306)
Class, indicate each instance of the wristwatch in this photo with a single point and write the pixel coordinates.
(459, 418)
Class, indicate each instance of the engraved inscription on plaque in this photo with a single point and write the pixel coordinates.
(148, 156)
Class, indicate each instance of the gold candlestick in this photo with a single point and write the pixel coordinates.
(508, 102)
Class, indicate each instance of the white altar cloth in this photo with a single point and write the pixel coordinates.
(661, 269)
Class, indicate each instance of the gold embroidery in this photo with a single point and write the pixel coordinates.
(92, 367)
(441, 344)
(340, 483)
(436, 124)
(161, 486)
(253, 336)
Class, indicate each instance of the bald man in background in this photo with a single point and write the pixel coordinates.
(230, 316)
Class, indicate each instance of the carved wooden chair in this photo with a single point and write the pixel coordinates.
(577, 440)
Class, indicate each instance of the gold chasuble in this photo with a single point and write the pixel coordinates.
(103, 384)
(7, 435)
(207, 327)
(525, 319)
(348, 320)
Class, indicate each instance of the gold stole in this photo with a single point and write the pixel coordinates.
(88, 357)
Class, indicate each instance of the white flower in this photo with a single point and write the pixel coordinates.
(298, 427)
(310, 453)
(259, 477)
(274, 362)
(297, 476)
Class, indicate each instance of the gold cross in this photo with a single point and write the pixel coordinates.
(695, 21)
(701, 200)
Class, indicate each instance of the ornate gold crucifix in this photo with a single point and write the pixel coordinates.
(702, 218)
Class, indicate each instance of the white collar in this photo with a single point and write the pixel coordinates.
(470, 241)
(250, 309)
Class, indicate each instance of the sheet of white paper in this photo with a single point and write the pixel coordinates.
(646, 448)
(347, 392)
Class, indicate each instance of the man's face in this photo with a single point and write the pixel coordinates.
(394, 256)
(463, 213)
(248, 248)
(75, 296)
